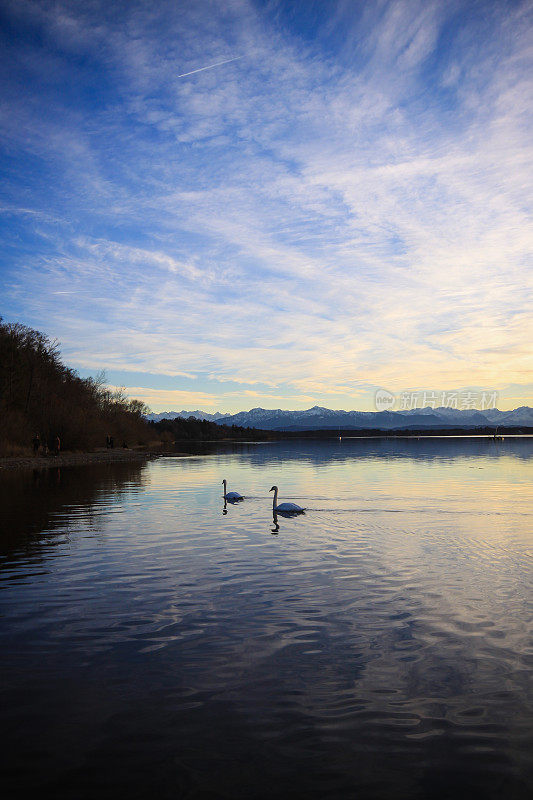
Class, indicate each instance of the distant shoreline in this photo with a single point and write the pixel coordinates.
(406, 433)
(118, 455)
(77, 459)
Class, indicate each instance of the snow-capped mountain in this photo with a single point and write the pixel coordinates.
(185, 414)
(324, 418)
(519, 416)
(318, 418)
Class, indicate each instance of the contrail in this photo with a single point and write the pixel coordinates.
(184, 75)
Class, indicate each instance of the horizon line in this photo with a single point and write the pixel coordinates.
(344, 411)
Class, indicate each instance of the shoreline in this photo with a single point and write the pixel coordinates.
(118, 455)
(68, 459)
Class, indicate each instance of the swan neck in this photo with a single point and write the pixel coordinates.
(275, 500)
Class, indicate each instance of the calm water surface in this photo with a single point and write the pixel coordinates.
(379, 646)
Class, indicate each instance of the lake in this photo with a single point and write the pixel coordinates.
(155, 643)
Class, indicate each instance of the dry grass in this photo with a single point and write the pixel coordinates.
(13, 450)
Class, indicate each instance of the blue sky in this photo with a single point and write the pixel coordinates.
(345, 206)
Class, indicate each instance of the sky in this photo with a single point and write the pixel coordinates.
(283, 204)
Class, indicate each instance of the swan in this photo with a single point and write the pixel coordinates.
(284, 508)
(231, 497)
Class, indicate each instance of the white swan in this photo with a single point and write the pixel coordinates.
(284, 508)
(231, 497)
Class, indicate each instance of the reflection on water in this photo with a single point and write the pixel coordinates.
(157, 641)
(36, 500)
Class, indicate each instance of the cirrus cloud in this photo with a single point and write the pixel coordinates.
(321, 216)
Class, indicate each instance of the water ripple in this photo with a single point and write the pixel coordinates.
(380, 646)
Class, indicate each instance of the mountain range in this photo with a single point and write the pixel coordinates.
(185, 414)
(318, 418)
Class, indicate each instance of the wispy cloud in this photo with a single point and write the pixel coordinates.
(324, 217)
(170, 399)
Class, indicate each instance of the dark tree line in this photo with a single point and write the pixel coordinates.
(40, 395)
(181, 429)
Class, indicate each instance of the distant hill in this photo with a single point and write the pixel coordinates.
(181, 429)
(185, 415)
(318, 418)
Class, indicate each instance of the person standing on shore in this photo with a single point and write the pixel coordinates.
(36, 444)
(57, 445)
